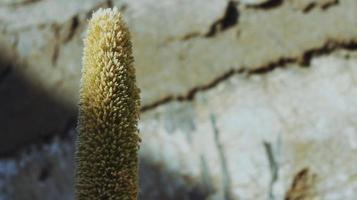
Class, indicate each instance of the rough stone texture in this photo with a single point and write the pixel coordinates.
(251, 40)
(173, 43)
(307, 5)
(287, 121)
(242, 99)
(306, 115)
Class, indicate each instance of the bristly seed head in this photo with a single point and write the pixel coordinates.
(108, 141)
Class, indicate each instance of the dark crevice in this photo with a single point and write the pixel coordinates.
(304, 60)
(21, 3)
(300, 175)
(189, 36)
(157, 103)
(56, 32)
(281, 63)
(55, 54)
(72, 29)
(309, 7)
(229, 19)
(325, 6)
(328, 48)
(29, 2)
(302, 185)
(330, 4)
(267, 5)
(191, 93)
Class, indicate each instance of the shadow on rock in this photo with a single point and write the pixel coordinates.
(156, 182)
(27, 113)
(47, 173)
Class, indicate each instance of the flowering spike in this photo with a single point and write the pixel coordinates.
(108, 141)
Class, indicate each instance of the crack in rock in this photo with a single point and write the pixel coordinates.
(304, 60)
(330, 4)
(267, 5)
(302, 186)
(18, 2)
(191, 35)
(231, 15)
(72, 29)
(56, 32)
(308, 5)
(229, 20)
(63, 33)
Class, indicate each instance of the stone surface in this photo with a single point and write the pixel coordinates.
(251, 40)
(173, 43)
(249, 137)
(307, 116)
(242, 99)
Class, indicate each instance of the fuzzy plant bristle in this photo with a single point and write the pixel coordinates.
(108, 140)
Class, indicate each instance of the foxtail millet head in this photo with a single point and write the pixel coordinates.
(108, 140)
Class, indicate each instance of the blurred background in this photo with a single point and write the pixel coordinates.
(241, 99)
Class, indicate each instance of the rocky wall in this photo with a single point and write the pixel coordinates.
(249, 99)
